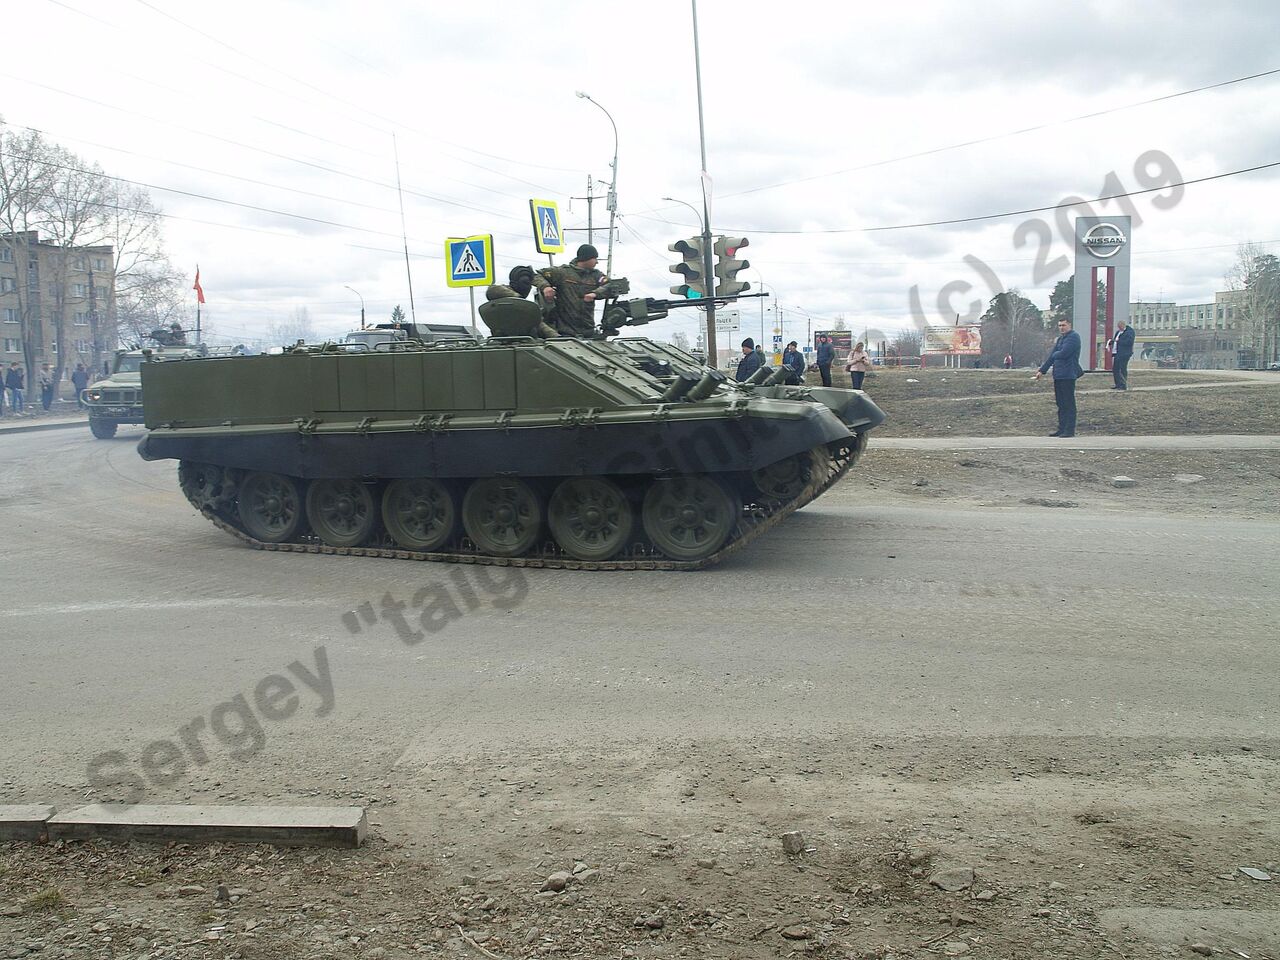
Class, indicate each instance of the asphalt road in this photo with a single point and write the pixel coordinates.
(126, 616)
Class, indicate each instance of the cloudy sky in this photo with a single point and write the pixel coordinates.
(264, 131)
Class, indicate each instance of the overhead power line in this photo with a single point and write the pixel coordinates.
(394, 123)
(255, 149)
(1009, 213)
(1006, 135)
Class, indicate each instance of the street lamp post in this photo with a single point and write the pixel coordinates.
(777, 316)
(613, 186)
(357, 293)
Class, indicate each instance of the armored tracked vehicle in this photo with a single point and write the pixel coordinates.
(578, 453)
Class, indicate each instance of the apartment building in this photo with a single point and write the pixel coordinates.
(82, 293)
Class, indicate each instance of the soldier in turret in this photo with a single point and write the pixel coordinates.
(570, 291)
(519, 283)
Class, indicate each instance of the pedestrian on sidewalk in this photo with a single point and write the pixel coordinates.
(1064, 358)
(859, 364)
(15, 381)
(80, 380)
(46, 386)
(1121, 351)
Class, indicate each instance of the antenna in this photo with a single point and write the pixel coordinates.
(413, 314)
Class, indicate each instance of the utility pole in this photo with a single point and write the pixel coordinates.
(408, 272)
(707, 268)
(590, 197)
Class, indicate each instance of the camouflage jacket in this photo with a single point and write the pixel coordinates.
(569, 313)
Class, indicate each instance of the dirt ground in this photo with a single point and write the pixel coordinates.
(1218, 482)
(1068, 846)
(1063, 847)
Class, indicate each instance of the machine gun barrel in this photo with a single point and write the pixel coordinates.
(642, 310)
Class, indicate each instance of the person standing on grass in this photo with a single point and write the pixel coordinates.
(859, 365)
(826, 355)
(1121, 351)
(1064, 358)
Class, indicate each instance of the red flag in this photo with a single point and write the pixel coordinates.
(197, 288)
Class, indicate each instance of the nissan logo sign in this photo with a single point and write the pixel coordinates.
(1105, 240)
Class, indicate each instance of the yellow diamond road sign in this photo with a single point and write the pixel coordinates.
(469, 261)
(546, 226)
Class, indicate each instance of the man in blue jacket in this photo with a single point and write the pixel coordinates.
(1121, 351)
(751, 360)
(793, 360)
(826, 356)
(1064, 358)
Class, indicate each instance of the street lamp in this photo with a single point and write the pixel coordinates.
(357, 293)
(777, 316)
(613, 186)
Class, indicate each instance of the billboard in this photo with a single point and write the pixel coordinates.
(842, 340)
(963, 340)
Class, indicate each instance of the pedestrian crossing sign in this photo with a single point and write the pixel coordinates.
(546, 226)
(469, 261)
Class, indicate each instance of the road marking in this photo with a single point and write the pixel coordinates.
(147, 605)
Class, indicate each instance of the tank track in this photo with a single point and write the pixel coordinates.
(757, 519)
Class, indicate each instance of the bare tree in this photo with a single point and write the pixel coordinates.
(840, 323)
(1255, 277)
(145, 289)
(907, 343)
(1014, 325)
(74, 219)
(296, 327)
(680, 340)
(25, 183)
(148, 299)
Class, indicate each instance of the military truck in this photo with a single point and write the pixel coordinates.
(117, 397)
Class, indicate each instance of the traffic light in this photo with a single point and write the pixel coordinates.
(691, 267)
(727, 267)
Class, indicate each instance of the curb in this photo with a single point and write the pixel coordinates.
(195, 823)
(32, 427)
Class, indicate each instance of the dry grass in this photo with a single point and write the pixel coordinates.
(1027, 409)
(894, 385)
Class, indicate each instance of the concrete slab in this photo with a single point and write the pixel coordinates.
(23, 821)
(282, 826)
(19, 426)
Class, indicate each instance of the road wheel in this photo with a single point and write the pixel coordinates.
(420, 513)
(270, 507)
(690, 518)
(201, 482)
(590, 517)
(502, 515)
(785, 479)
(102, 428)
(342, 513)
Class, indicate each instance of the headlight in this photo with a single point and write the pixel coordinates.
(93, 394)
